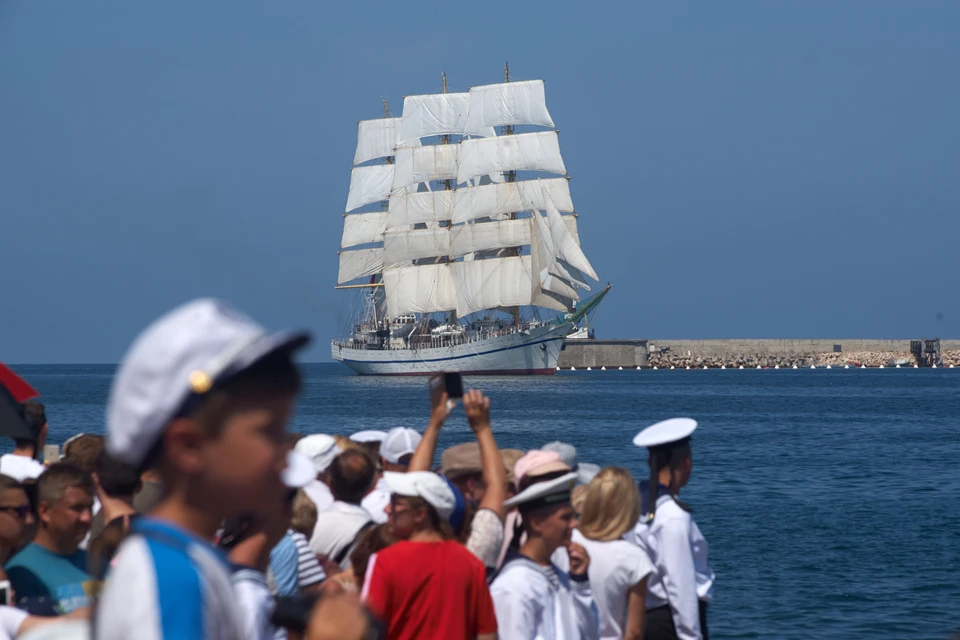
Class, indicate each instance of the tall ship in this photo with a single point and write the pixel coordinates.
(461, 237)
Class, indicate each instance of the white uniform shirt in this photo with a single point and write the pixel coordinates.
(615, 568)
(337, 529)
(542, 603)
(681, 576)
(376, 501)
(20, 468)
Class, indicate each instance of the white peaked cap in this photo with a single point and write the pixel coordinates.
(370, 435)
(665, 432)
(320, 449)
(400, 441)
(558, 488)
(426, 485)
(186, 351)
(299, 472)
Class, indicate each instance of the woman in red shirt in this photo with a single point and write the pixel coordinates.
(428, 585)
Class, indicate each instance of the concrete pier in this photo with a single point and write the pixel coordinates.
(604, 353)
(733, 353)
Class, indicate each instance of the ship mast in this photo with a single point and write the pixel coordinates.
(447, 186)
(510, 176)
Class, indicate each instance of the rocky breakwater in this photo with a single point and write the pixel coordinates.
(665, 359)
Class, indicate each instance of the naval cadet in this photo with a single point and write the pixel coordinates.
(681, 584)
(533, 598)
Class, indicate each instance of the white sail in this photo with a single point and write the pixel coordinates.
(403, 246)
(491, 283)
(432, 115)
(512, 103)
(359, 263)
(427, 206)
(419, 289)
(421, 164)
(376, 139)
(567, 247)
(459, 240)
(470, 238)
(369, 184)
(522, 152)
(508, 197)
(362, 228)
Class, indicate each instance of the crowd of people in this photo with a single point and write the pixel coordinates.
(199, 515)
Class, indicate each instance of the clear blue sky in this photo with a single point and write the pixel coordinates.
(742, 169)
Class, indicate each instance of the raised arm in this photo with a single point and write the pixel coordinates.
(422, 459)
(477, 408)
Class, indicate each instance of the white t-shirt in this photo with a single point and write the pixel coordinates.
(336, 529)
(615, 568)
(20, 468)
(10, 620)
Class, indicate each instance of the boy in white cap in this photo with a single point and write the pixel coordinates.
(203, 396)
(534, 599)
(428, 585)
(396, 450)
(681, 585)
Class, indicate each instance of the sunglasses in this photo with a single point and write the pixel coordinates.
(21, 510)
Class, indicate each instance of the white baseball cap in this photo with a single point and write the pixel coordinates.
(320, 448)
(400, 441)
(370, 435)
(186, 351)
(426, 485)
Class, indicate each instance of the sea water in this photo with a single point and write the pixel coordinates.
(830, 499)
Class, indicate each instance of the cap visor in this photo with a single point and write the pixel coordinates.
(299, 471)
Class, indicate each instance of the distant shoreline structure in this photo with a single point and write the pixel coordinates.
(748, 353)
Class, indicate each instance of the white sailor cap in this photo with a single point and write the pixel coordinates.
(665, 432)
(370, 435)
(184, 353)
(544, 494)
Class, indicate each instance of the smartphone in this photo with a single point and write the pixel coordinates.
(4, 592)
(449, 381)
(51, 453)
(453, 384)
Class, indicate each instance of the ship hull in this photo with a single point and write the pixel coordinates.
(533, 352)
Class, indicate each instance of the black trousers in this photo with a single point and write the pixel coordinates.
(658, 623)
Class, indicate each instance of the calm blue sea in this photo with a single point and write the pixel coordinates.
(830, 499)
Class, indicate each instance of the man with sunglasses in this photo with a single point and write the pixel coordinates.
(15, 516)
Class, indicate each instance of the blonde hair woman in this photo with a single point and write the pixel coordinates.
(618, 568)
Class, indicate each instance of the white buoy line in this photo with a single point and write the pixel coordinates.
(741, 367)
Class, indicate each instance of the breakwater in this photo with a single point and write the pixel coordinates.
(734, 353)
